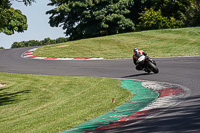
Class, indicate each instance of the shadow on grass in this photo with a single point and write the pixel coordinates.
(10, 98)
(178, 119)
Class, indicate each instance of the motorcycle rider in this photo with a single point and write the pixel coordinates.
(137, 54)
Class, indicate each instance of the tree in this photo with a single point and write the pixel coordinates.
(15, 45)
(11, 19)
(90, 18)
(26, 2)
(168, 8)
(192, 15)
(47, 41)
(53, 42)
(61, 40)
(137, 6)
(151, 19)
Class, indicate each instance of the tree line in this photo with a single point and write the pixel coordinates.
(93, 18)
(46, 41)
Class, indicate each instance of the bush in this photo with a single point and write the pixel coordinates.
(192, 15)
(61, 40)
(151, 19)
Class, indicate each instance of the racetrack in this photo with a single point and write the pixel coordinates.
(184, 71)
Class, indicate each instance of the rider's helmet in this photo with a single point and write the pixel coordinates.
(135, 50)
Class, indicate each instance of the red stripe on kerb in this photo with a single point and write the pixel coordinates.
(110, 126)
(129, 119)
(50, 58)
(170, 91)
(31, 57)
(81, 58)
(30, 52)
(27, 54)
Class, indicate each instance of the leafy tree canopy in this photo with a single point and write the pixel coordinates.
(11, 19)
(151, 19)
(90, 18)
(192, 15)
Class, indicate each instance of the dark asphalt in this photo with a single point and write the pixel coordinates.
(185, 71)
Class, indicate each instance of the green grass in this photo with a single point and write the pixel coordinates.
(35, 103)
(157, 43)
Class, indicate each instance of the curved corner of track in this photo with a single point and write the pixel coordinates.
(149, 99)
(29, 55)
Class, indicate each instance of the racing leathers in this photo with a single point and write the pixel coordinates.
(137, 54)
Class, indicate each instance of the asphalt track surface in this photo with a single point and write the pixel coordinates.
(185, 117)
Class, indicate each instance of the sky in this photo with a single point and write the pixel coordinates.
(38, 26)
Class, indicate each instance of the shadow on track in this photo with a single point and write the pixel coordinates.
(168, 121)
(137, 75)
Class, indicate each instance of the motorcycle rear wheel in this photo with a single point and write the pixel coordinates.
(152, 67)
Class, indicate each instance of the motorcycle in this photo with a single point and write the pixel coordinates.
(148, 64)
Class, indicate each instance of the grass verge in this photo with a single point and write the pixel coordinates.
(35, 103)
(157, 43)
